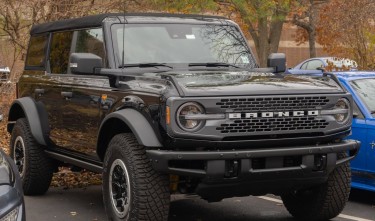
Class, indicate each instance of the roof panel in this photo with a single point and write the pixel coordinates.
(96, 20)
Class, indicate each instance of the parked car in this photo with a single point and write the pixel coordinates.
(4, 74)
(162, 103)
(362, 86)
(12, 207)
(317, 65)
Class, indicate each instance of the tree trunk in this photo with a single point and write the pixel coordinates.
(312, 47)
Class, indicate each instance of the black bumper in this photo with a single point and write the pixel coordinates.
(215, 162)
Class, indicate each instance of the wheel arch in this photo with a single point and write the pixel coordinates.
(35, 114)
(126, 121)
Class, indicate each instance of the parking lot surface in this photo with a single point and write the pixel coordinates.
(86, 205)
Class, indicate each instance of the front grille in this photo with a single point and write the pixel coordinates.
(272, 124)
(273, 103)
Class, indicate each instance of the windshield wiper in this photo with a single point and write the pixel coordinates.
(145, 65)
(213, 64)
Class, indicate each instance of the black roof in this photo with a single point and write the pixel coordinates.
(96, 20)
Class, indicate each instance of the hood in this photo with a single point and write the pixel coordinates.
(251, 83)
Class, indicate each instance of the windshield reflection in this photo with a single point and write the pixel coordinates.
(181, 44)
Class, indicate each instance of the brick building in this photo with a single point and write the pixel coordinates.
(294, 53)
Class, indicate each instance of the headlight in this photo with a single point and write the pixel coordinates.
(11, 216)
(343, 109)
(185, 116)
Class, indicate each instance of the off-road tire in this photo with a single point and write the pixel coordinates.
(149, 190)
(324, 201)
(38, 167)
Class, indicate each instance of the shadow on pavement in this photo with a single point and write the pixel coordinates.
(362, 196)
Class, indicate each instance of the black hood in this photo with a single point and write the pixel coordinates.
(251, 83)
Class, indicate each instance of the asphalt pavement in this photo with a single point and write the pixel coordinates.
(86, 205)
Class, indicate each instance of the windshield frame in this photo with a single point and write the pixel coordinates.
(179, 66)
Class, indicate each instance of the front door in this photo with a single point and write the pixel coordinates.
(370, 147)
(84, 98)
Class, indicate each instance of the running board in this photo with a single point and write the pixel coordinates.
(76, 162)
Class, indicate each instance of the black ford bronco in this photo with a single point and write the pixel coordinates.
(163, 104)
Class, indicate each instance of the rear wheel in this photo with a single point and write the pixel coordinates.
(34, 166)
(324, 201)
(132, 190)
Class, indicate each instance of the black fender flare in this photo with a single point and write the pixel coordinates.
(35, 114)
(138, 124)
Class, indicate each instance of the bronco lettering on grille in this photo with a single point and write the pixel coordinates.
(273, 114)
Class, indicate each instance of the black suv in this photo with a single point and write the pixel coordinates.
(164, 103)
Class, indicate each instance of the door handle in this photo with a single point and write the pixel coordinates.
(67, 94)
(372, 144)
(39, 91)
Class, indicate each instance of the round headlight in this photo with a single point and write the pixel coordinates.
(343, 107)
(185, 116)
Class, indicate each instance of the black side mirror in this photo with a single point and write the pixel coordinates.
(84, 63)
(321, 69)
(277, 61)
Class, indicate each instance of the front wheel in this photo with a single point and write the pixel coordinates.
(324, 201)
(132, 190)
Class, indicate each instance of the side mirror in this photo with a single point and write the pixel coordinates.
(277, 61)
(84, 63)
(321, 69)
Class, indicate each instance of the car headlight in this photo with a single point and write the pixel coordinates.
(342, 108)
(11, 216)
(187, 116)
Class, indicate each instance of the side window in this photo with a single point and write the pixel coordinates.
(91, 41)
(304, 66)
(60, 51)
(357, 111)
(314, 64)
(37, 51)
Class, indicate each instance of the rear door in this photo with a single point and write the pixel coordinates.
(39, 83)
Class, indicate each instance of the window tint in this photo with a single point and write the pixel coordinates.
(36, 53)
(91, 41)
(314, 64)
(60, 51)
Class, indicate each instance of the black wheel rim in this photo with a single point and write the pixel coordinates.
(19, 154)
(119, 188)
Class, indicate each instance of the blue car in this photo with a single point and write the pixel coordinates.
(317, 65)
(362, 86)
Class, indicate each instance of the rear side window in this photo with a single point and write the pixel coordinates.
(60, 51)
(37, 51)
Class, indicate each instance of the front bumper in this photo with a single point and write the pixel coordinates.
(255, 171)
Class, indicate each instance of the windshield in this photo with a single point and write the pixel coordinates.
(365, 88)
(181, 44)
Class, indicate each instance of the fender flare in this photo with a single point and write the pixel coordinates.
(138, 124)
(35, 114)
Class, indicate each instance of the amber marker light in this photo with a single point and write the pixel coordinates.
(168, 115)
